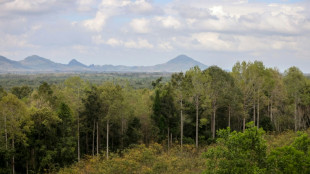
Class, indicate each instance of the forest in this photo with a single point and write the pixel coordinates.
(253, 119)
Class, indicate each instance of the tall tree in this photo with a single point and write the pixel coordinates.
(14, 113)
(46, 93)
(168, 111)
(218, 83)
(65, 132)
(177, 80)
(74, 92)
(112, 98)
(244, 82)
(194, 84)
(43, 139)
(92, 113)
(294, 81)
(257, 75)
(157, 116)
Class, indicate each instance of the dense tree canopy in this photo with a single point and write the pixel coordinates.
(50, 126)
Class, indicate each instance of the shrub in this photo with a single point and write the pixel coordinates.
(237, 152)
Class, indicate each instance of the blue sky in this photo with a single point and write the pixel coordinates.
(148, 32)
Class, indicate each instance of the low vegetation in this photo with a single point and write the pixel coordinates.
(234, 152)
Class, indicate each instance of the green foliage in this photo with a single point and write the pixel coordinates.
(136, 80)
(21, 92)
(46, 94)
(144, 160)
(43, 139)
(66, 144)
(2, 92)
(246, 152)
(164, 110)
(47, 122)
(287, 160)
(237, 152)
(133, 133)
(302, 142)
(293, 158)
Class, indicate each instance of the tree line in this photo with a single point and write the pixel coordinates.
(52, 126)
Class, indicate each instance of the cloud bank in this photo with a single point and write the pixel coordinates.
(145, 32)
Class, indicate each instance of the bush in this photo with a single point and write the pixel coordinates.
(291, 159)
(237, 152)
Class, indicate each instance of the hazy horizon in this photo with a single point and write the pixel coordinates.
(150, 32)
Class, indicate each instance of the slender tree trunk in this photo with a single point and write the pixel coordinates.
(33, 158)
(78, 141)
(122, 131)
(6, 137)
(86, 140)
(268, 112)
(271, 116)
(171, 139)
(197, 121)
(13, 158)
(213, 120)
(97, 139)
(244, 110)
(229, 112)
(78, 127)
(27, 171)
(181, 125)
(254, 111)
(168, 142)
(258, 112)
(107, 139)
(271, 111)
(93, 147)
(295, 116)
(243, 124)
(299, 116)
(279, 129)
(239, 126)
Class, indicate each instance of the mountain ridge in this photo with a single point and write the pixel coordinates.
(36, 63)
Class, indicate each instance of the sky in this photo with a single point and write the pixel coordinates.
(149, 32)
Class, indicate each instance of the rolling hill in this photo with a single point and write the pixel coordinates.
(37, 64)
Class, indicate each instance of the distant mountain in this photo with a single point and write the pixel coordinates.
(180, 63)
(39, 64)
(7, 65)
(75, 63)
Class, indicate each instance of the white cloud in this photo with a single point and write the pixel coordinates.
(34, 6)
(97, 23)
(140, 7)
(211, 41)
(169, 22)
(141, 43)
(110, 8)
(98, 39)
(217, 11)
(114, 42)
(140, 25)
(81, 48)
(165, 46)
(9, 41)
(115, 3)
(202, 26)
(85, 5)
